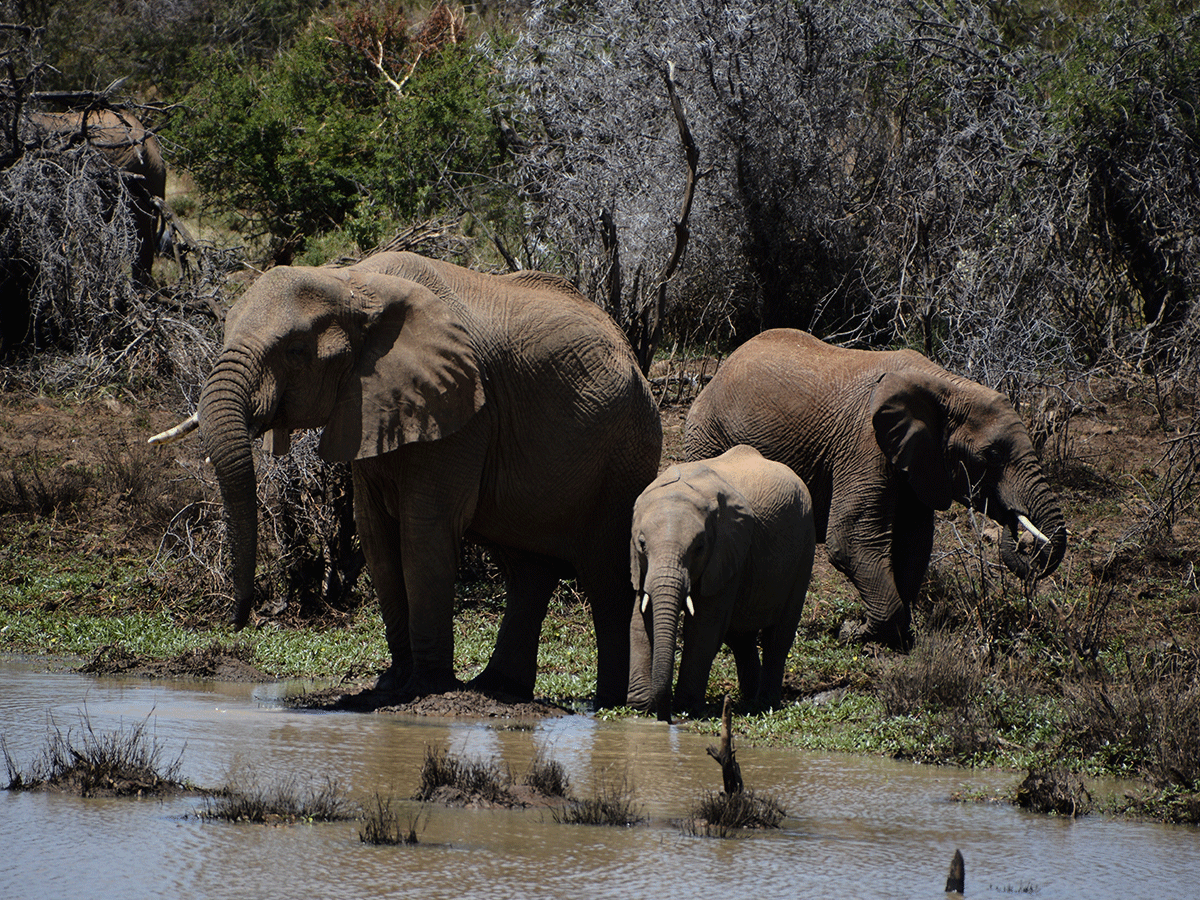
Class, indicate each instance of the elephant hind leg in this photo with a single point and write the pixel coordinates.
(530, 580)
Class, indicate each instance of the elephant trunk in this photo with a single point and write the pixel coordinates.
(667, 592)
(225, 433)
(1044, 514)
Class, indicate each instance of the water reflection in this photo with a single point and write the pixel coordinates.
(858, 827)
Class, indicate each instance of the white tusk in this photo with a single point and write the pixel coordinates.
(1030, 528)
(688, 603)
(645, 602)
(187, 426)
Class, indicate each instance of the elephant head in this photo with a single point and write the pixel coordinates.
(376, 361)
(127, 145)
(955, 440)
(690, 537)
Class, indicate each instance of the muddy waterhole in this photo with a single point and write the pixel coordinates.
(856, 826)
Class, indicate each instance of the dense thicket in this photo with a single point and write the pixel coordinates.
(999, 185)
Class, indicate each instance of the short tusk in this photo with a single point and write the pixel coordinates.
(645, 602)
(187, 426)
(1028, 526)
(688, 603)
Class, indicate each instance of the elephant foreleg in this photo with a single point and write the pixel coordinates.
(744, 645)
(776, 645)
(912, 545)
(606, 585)
(701, 641)
(530, 581)
(379, 535)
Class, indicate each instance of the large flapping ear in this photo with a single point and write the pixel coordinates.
(908, 420)
(730, 532)
(416, 377)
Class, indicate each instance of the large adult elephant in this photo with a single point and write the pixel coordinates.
(128, 146)
(882, 439)
(507, 409)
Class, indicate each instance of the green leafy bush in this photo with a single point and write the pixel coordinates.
(360, 123)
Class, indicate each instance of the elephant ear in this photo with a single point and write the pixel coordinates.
(416, 377)
(730, 533)
(908, 420)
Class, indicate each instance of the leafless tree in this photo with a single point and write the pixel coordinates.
(874, 172)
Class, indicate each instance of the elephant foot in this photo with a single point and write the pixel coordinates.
(885, 634)
(403, 684)
(500, 686)
(424, 682)
(393, 679)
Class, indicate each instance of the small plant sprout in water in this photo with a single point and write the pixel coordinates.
(449, 779)
(383, 825)
(283, 802)
(724, 815)
(548, 777)
(128, 762)
(612, 804)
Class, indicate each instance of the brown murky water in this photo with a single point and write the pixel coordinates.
(858, 827)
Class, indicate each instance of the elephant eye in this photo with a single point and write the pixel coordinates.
(297, 350)
(641, 542)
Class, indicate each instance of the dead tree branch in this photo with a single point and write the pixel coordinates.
(731, 772)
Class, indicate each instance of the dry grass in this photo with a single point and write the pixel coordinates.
(722, 815)
(128, 762)
(611, 805)
(548, 778)
(382, 825)
(279, 803)
(448, 778)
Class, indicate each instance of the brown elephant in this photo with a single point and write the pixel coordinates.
(882, 439)
(125, 143)
(506, 409)
(729, 542)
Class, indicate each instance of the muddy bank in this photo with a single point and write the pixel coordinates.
(215, 663)
(465, 704)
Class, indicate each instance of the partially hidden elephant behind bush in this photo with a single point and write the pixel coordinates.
(507, 409)
(126, 144)
(882, 439)
(729, 542)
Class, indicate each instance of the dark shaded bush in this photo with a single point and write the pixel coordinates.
(942, 673)
(548, 778)
(1053, 790)
(1144, 723)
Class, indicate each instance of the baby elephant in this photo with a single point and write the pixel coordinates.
(730, 541)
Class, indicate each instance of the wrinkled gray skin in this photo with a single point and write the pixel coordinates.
(881, 439)
(736, 535)
(125, 143)
(504, 408)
